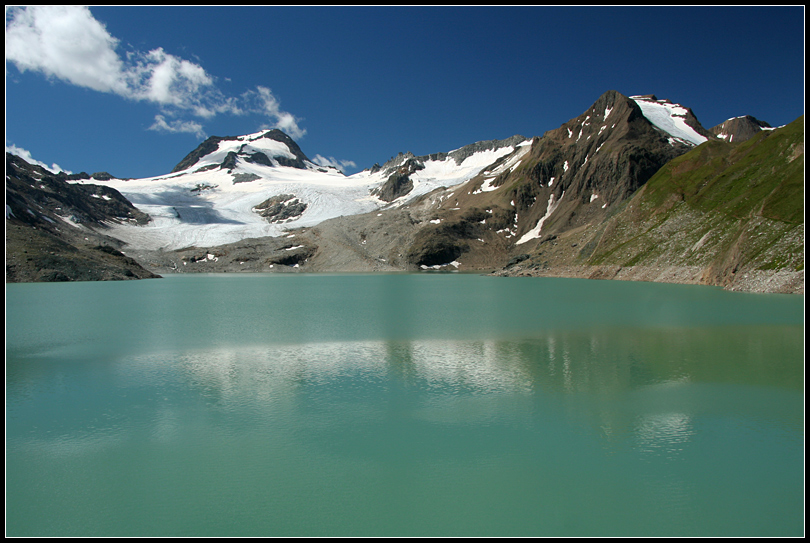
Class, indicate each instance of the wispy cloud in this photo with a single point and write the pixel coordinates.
(67, 43)
(191, 127)
(263, 101)
(26, 155)
(341, 165)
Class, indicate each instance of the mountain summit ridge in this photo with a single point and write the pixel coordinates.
(249, 149)
(739, 129)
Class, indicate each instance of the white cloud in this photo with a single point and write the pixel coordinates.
(69, 44)
(191, 127)
(333, 162)
(65, 42)
(26, 155)
(162, 78)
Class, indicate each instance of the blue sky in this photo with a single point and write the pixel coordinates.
(132, 90)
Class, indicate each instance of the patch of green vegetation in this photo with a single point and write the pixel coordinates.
(684, 175)
(786, 202)
(779, 249)
(645, 254)
(762, 176)
(775, 264)
(614, 247)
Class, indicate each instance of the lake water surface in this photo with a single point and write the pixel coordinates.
(402, 405)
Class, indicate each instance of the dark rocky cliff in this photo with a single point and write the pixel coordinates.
(55, 229)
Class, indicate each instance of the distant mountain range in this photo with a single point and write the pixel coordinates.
(618, 192)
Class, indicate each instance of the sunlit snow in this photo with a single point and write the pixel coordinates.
(535, 232)
(670, 118)
(208, 207)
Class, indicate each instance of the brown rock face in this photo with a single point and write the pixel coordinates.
(587, 166)
(739, 129)
(572, 177)
(281, 208)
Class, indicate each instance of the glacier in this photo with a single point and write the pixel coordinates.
(208, 204)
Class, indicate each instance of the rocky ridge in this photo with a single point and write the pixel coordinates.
(571, 177)
(55, 230)
(398, 169)
(291, 156)
(739, 129)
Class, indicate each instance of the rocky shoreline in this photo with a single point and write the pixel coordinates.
(755, 281)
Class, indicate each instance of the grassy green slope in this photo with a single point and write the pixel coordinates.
(724, 207)
(760, 176)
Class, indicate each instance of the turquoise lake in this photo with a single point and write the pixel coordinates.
(402, 405)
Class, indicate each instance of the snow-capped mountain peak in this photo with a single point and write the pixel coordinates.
(268, 148)
(262, 184)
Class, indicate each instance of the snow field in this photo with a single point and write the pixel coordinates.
(670, 118)
(207, 208)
